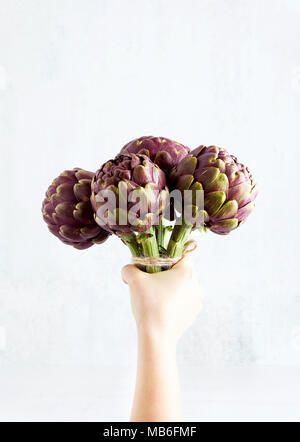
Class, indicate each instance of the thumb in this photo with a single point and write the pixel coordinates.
(130, 273)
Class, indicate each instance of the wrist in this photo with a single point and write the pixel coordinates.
(154, 340)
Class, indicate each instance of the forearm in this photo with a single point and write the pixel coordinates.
(157, 394)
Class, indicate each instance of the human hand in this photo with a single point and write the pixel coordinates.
(164, 304)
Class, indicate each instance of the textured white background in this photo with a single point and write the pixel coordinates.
(80, 78)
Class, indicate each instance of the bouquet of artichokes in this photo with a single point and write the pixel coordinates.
(152, 195)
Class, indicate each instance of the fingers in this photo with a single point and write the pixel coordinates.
(130, 273)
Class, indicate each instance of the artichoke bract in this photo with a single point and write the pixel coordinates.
(162, 151)
(68, 212)
(229, 188)
(122, 176)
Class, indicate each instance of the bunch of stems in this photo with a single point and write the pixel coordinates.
(159, 241)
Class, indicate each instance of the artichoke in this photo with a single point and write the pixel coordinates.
(229, 192)
(229, 188)
(68, 212)
(162, 151)
(123, 175)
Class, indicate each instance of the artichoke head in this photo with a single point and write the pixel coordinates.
(68, 212)
(162, 151)
(228, 186)
(122, 178)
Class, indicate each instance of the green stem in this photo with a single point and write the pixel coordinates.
(178, 239)
(133, 246)
(161, 233)
(150, 249)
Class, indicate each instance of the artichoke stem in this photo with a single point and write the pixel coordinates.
(178, 239)
(161, 233)
(150, 249)
(135, 249)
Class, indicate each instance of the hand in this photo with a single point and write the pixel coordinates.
(164, 304)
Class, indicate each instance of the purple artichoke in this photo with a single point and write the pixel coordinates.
(229, 188)
(68, 212)
(162, 151)
(123, 175)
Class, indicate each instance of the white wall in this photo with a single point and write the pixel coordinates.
(80, 78)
